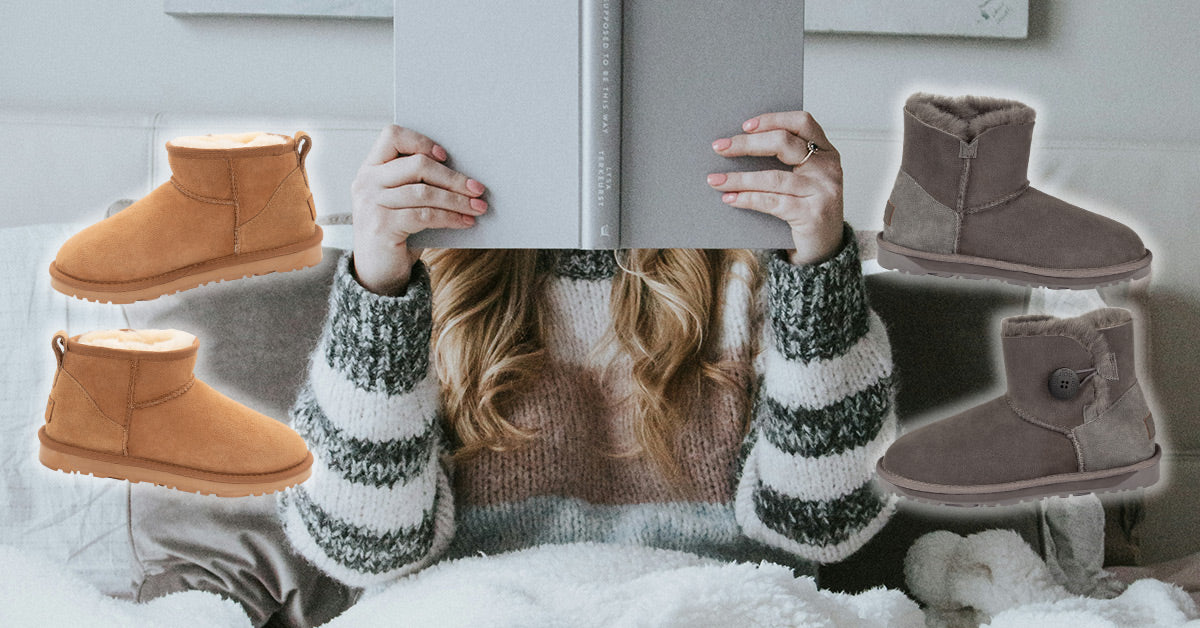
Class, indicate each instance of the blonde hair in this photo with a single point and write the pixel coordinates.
(664, 311)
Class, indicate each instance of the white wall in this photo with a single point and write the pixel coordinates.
(1094, 68)
(130, 56)
(1108, 69)
(1104, 70)
(82, 84)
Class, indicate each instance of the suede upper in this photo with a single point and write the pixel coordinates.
(220, 202)
(1039, 229)
(148, 405)
(934, 159)
(1028, 363)
(963, 190)
(1029, 433)
(986, 444)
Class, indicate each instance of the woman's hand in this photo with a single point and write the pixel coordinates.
(403, 188)
(809, 198)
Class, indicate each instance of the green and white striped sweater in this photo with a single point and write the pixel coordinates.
(384, 500)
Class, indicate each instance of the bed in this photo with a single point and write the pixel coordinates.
(139, 542)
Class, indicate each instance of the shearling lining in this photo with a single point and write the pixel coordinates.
(229, 140)
(967, 116)
(139, 339)
(1085, 328)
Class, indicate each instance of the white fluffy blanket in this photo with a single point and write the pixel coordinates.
(603, 585)
(589, 584)
(557, 585)
(36, 591)
(995, 579)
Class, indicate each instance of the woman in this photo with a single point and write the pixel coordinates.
(723, 402)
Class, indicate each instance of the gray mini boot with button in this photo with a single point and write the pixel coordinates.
(1074, 420)
(962, 205)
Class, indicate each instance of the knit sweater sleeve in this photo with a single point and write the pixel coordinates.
(822, 413)
(378, 504)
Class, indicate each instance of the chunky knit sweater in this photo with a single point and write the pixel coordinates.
(384, 498)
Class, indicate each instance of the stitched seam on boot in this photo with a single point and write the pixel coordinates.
(197, 197)
(217, 473)
(1070, 434)
(237, 207)
(962, 198)
(1092, 409)
(191, 266)
(958, 258)
(1029, 417)
(1000, 201)
(167, 397)
(958, 220)
(271, 198)
(88, 396)
(1078, 452)
(133, 367)
(962, 185)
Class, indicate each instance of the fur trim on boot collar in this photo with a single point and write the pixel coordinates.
(229, 140)
(139, 339)
(1084, 329)
(967, 116)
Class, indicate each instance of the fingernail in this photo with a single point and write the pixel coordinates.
(478, 204)
(716, 179)
(729, 197)
(750, 125)
(439, 152)
(467, 220)
(722, 143)
(474, 186)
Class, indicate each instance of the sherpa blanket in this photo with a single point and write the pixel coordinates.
(588, 584)
(585, 585)
(995, 579)
(555, 585)
(36, 591)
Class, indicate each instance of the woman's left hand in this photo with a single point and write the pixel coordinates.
(808, 198)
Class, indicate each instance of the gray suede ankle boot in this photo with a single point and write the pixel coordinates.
(1073, 421)
(962, 205)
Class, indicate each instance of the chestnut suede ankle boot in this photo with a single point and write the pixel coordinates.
(962, 205)
(126, 405)
(235, 206)
(1074, 420)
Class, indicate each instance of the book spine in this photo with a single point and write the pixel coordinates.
(600, 124)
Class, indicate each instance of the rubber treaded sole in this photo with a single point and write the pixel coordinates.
(236, 267)
(1138, 475)
(61, 457)
(895, 257)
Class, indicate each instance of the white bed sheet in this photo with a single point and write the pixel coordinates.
(80, 521)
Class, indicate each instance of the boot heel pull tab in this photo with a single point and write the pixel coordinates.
(59, 344)
(303, 144)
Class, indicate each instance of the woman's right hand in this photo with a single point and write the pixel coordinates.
(403, 188)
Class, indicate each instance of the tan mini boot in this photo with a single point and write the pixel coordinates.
(235, 206)
(126, 405)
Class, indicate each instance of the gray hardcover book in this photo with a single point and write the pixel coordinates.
(591, 121)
